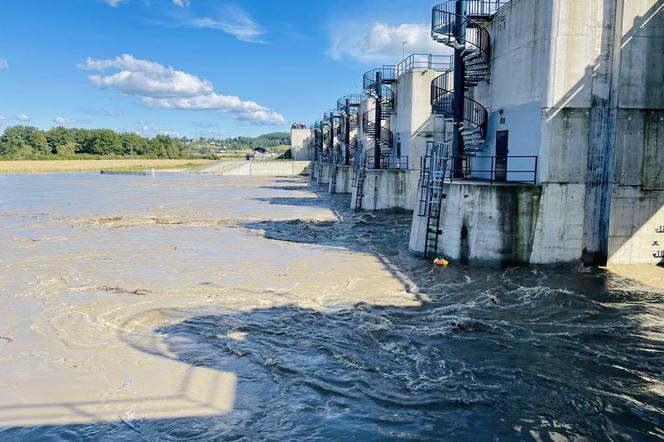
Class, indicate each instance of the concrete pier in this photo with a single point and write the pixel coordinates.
(388, 190)
(488, 225)
(344, 180)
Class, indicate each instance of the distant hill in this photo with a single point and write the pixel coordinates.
(266, 140)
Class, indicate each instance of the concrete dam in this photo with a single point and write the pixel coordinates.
(535, 135)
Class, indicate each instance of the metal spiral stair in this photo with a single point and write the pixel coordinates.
(369, 125)
(377, 85)
(475, 41)
(317, 140)
(348, 106)
(475, 116)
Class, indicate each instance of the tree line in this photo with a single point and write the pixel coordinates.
(31, 143)
(267, 140)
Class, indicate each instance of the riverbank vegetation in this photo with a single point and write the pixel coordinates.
(61, 143)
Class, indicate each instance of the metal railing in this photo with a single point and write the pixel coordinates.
(442, 103)
(413, 62)
(369, 128)
(495, 168)
(331, 114)
(475, 8)
(387, 161)
(354, 100)
(387, 74)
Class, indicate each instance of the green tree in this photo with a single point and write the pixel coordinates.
(102, 142)
(132, 143)
(22, 142)
(61, 140)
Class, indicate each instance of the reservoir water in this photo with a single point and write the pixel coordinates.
(187, 307)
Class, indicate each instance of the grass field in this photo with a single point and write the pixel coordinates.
(94, 165)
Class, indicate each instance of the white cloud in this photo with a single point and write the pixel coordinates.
(113, 3)
(243, 110)
(3, 64)
(147, 130)
(63, 120)
(233, 21)
(159, 86)
(382, 43)
(142, 77)
(101, 112)
(22, 117)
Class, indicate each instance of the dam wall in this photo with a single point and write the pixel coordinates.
(569, 100)
(344, 180)
(388, 190)
(258, 168)
(483, 225)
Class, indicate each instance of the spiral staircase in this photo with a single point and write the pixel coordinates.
(348, 107)
(377, 84)
(475, 116)
(316, 141)
(468, 34)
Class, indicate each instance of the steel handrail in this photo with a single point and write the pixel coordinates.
(354, 100)
(444, 22)
(442, 102)
(414, 62)
(468, 169)
(387, 75)
(475, 8)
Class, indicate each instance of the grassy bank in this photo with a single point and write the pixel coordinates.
(94, 165)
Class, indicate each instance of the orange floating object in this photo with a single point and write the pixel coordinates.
(441, 262)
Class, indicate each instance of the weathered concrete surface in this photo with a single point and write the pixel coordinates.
(413, 123)
(324, 176)
(258, 168)
(489, 225)
(344, 180)
(300, 144)
(388, 190)
(559, 230)
(580, 85)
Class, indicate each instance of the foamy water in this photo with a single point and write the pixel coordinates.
(212, 308)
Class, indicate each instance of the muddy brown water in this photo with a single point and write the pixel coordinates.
(187, 307)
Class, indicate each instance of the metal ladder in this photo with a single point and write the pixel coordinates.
(319, 169)
(333, 171)
(359, 175)
(432, 193)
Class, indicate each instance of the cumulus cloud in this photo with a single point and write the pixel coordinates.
(22, 117)
(382, 42)
(63, 120)
(142, 77)
(232, 21)
(161, 86)
(3, 64)
(181, 3)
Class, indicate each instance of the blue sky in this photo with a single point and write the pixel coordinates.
(194, 67)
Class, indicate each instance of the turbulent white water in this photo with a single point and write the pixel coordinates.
(211, 308)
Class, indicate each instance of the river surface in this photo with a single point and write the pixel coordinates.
(185, 307)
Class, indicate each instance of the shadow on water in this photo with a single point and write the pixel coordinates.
(523, 354)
